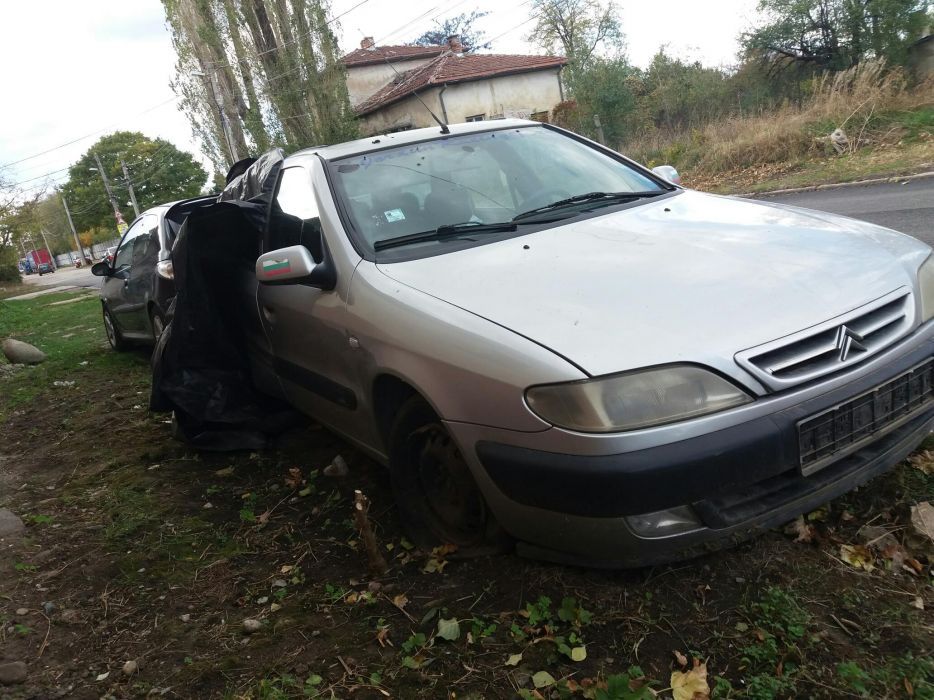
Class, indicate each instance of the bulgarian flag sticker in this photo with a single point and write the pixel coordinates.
(277, 267)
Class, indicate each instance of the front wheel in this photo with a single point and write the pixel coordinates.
(157, 321)
(438, 499)
(114, 337)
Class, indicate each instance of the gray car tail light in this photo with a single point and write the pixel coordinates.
(831, 346)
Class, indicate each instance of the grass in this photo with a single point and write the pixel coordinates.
(116, 506)
(889, 124)
(71, 335)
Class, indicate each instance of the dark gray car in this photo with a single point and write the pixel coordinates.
(139, 284)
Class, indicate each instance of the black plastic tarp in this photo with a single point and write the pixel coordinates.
(257, 181)
(201, 369)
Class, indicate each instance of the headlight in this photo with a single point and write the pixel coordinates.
(164, 269)
(926, 285)
(635, 399)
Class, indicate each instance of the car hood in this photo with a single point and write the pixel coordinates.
(691, 278)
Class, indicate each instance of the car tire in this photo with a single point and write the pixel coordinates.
(114, 337)
(157, 323)
(438, 499)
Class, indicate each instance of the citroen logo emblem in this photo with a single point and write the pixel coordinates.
(848, 342)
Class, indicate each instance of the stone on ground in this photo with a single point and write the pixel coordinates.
(12, 673)
(18, 352)
(10, 524)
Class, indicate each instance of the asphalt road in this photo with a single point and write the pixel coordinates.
(907, 207)
(81, 277)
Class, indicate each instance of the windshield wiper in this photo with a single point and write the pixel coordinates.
(603, 198)
(444, 232)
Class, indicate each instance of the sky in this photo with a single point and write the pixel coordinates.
(74, 71)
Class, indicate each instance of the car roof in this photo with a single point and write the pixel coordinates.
(401, 138)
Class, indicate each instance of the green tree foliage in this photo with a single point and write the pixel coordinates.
(160, 173)
(461, 26)
(608, 87)
(269, 69)
(835, 34)
(582, 30)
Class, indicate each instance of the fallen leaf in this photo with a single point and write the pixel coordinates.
(819, 515)
(923, 461)
(382, 636)
(351, 598)
(102, 676)
(918, 603)
(305, 492)
(294, 478)
(801, 530)
(857, 556)
(400, 601)
(542, 679)
(578, 653)
(922, 518)
(691, 685)
(913, 566)
(263, 518)
(449, 629)
(226, 471)
(680, 658)
(514, 659)
(286, 568)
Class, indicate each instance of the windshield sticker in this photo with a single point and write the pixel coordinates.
(394, 215)
(277, 267)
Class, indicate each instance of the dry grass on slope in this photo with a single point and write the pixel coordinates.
(876, 108)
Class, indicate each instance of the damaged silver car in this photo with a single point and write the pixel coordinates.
(549, 344)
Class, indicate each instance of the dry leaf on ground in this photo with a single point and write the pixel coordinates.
(922, 518)
(857, 556)
(923, 461)
(691, 685)
(802, 531)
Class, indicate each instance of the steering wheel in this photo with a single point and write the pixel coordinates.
(543, 198)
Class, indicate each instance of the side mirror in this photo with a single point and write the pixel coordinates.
(667, 172)
(285, 264)
(101, 269)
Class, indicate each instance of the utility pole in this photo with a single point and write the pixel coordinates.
(129, 184)
(219, 101)
(113, 200)
(71, 225)
(48, 250)
(599, 126)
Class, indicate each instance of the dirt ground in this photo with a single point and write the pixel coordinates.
(149, 570)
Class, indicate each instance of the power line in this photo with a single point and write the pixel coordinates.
(86, 136)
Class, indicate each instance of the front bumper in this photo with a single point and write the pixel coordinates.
(738, 480)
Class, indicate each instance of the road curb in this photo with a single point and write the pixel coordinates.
(837, 185)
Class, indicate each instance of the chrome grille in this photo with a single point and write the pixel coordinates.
(843, 429)
(833, 345)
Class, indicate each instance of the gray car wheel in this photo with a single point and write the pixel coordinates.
(114, 337)
(438, 499)
(158, 323)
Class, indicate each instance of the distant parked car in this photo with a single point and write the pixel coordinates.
(139, 282)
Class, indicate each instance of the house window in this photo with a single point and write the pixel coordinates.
(476, 118)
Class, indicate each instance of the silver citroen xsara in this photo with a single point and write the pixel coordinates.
(551, 345)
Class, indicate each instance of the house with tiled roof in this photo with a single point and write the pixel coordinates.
(456, 86)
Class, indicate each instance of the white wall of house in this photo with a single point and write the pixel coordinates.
(510, 96)
(363, 81)
(517, 95)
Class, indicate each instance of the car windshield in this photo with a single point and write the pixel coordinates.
(480, 178)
